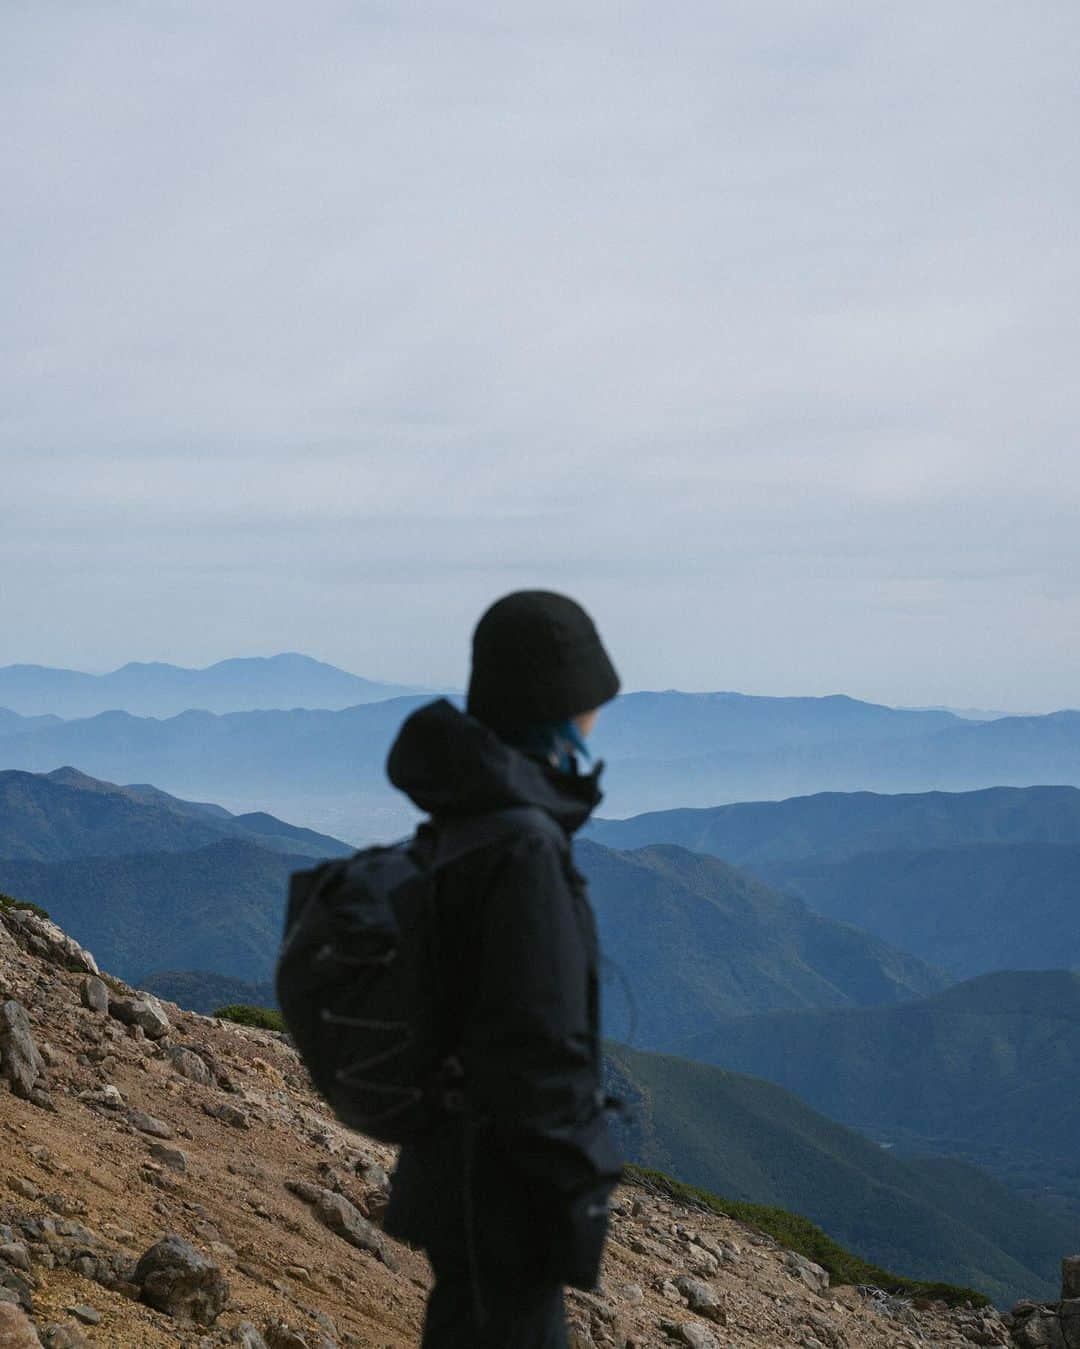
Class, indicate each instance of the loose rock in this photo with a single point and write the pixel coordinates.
(65, 1337)
(94, 995)
(174, 1158)
(150, 1124)
(190, 1065)
(281, 1336)
(247, 1337)
(697, 1337)
(87, 1315)
(43, 938)
(703, 1300)
(20, 1062)
(143, 1011)
(813, 1276)
(177, 1279)
(228, 1114)
(16, 1329)
(107, 1096)
(344, 1218)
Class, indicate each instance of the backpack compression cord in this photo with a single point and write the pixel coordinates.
(358, 974)
(349, 983)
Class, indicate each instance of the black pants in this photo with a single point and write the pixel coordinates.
(515, 1315)
(473, 1214)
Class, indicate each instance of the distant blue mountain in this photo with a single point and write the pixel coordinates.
(326, 767)
(743, 751)
(323, 767)
(671, 724)
(835, 826)
(158, 690)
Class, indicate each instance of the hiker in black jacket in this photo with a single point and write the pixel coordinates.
(509, 1195)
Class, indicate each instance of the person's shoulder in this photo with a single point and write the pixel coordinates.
(538, 846)
(534, 830)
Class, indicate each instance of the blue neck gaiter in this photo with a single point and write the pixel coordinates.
(556, 742)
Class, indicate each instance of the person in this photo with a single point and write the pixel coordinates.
(509, 1194)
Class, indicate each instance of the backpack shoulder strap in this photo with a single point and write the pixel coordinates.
(457, 838)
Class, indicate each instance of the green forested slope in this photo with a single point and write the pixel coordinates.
(202, 992)
(695, 939)
(66, 814)
(970, 908)
(219, 908)
(832, 826)
(987, 1070)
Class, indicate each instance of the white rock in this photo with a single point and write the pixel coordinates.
(702, 1300)
(697, 1337)
(813, 1276)
(143, 1011)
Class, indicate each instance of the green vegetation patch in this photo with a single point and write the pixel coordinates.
(798, 1234)
(264, 1018)
(8, 902)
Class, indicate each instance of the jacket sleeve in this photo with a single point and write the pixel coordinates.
(529, 1045)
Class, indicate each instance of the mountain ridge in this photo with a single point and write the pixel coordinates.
(326, 767)
(696, 938)
(159, 688)
(67, 814)
(831, 825)
(181, 909)
(970, 908)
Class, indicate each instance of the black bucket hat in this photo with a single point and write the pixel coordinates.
(537, 657)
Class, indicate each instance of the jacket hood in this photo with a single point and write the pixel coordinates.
(448, 763)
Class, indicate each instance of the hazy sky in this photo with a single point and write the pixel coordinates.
(755, 325)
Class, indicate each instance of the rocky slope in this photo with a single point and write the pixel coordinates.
(167, 1179)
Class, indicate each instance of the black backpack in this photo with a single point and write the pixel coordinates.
(359, 981)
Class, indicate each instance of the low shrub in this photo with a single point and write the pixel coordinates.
(263, 1018)
(8, 902)
(802, 1236)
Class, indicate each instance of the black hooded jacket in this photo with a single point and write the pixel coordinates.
(518, 951)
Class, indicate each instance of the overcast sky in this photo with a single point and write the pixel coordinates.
(754, 325)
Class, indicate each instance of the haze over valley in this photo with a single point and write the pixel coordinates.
(273, 744)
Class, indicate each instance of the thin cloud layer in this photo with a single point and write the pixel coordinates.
(754, 326)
